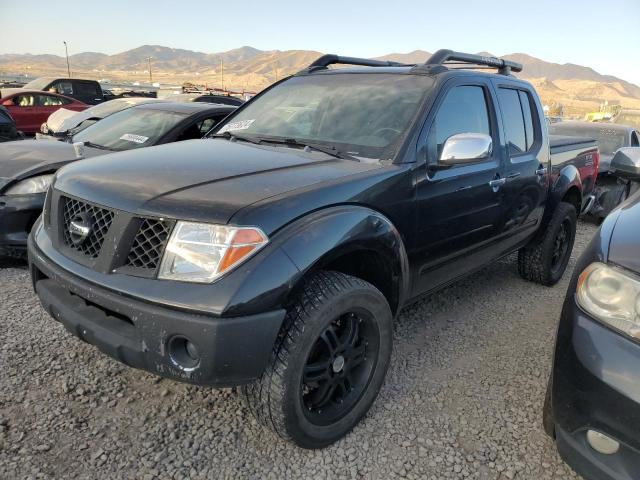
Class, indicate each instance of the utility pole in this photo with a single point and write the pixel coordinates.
(150, 77)
(222, 72)
(66, 52)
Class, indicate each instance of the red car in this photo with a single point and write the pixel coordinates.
(31, 108)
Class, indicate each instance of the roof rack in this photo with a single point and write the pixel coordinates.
(438, 59)
(331, 59)
(435, 64)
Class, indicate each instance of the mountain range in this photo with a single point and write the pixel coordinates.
(578, 88)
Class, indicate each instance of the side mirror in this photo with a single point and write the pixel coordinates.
(465, 148)
(626, 163)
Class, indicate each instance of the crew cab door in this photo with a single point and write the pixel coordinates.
(459, 207)
(87, 92)
(525, 190)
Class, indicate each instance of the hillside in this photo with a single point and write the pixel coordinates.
(578, 88)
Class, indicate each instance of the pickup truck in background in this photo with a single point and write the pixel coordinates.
(611, 189)
(86, 91)
(276, 253)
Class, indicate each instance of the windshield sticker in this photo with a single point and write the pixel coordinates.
(130, 137)
(233, 126)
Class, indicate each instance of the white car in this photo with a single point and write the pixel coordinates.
(64, 122)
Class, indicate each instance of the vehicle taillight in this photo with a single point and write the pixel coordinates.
(596, 161)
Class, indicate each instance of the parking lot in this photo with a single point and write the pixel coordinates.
(462, 399)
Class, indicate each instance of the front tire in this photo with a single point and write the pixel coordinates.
(545, 259)
(329, 361)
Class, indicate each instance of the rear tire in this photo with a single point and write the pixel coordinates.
(545, 259)
(328, 364)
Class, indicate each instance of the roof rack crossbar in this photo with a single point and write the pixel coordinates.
(505, 67)
(331, 59)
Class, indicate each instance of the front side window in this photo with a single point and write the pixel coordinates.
(464, 110)
(26, 100)
(129, 129)
(64, 88)
(363, 114)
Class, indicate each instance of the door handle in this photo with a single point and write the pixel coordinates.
(541, 171)
(497, 183)
(513, 175)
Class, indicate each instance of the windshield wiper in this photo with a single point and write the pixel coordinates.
(101, 147)
(329, 150)
(233, 136)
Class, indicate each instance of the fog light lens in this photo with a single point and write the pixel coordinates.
(602, 443)
(183, 353)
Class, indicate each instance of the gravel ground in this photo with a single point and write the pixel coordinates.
(463, 398)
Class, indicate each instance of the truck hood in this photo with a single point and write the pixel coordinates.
(624, 248)
(200, 180)
(23, 158)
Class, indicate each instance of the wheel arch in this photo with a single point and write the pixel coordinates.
(354, 240)
(568, 187)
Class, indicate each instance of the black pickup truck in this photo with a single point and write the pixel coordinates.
(86, 91)
(276, 253)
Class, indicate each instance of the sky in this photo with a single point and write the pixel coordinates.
(604, 35)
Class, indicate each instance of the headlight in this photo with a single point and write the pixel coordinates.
(38, 184)
(612, 295)
(200, 252)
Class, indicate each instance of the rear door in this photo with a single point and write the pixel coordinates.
(87, 92)
(458, 208)
(527, 154)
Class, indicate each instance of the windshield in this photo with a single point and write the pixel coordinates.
(364, 115)
(105, 109)
(129, 129)
(629, 119)
(609, 139)
(37, 84)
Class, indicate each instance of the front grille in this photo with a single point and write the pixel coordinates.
(100, 221)
(148, 244)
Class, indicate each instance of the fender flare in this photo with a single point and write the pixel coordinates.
(569, 177)
(313, 241)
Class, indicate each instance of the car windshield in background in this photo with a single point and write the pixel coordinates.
(37, 84)
(361, 114)
(609, 139)
(629, 119)
(129, 129)
(105, 109)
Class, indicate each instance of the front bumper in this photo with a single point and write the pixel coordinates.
(18, 213)
(596, 386)
(232, 350)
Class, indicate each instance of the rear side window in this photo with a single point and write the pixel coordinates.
(518, 120)
(50, 101)
(464, 110)
(86, 89)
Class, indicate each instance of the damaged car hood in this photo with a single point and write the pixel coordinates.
(23, 158)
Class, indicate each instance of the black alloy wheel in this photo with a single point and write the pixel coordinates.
(339, 367)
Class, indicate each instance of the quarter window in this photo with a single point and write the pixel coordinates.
(518, 120)
(464, 110)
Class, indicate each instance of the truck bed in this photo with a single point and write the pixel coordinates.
(562, 143)
(580, 152)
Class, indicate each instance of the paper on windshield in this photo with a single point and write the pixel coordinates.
(240, 125)
(130, 137)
